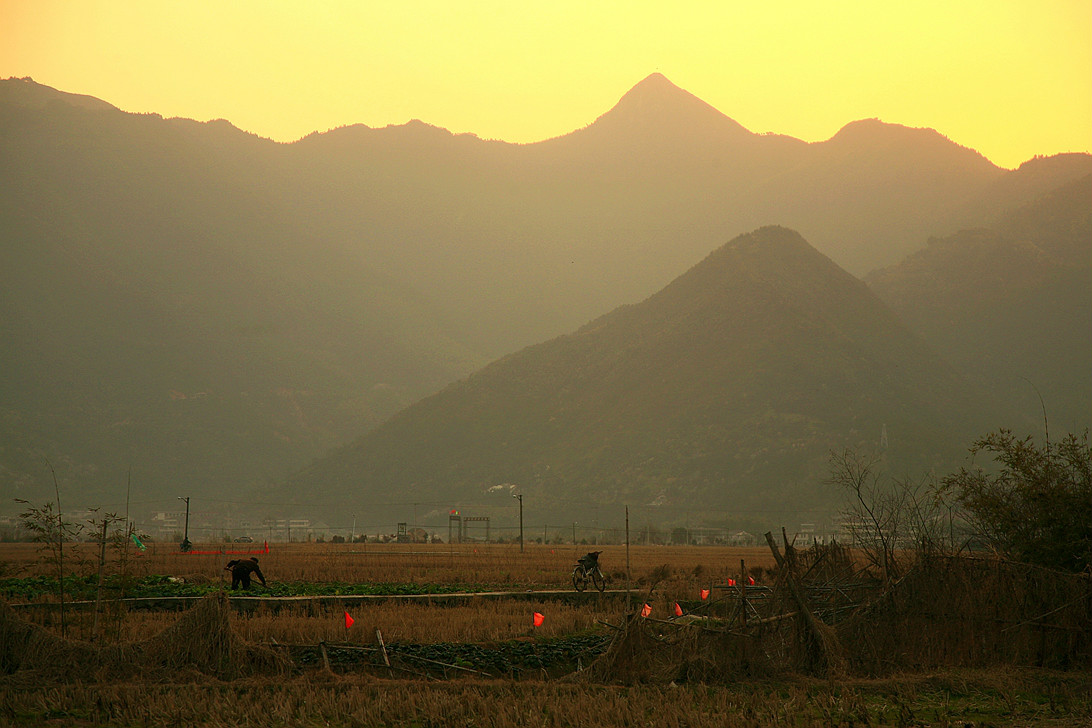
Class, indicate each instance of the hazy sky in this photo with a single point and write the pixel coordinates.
(1010, 78)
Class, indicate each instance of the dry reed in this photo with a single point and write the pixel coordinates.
(975, 612)
(201, 642)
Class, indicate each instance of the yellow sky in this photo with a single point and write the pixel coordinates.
(1010, 78)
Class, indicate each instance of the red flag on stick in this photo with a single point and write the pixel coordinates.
(538, 619)
(646, 610)
(348, 621)
(751, 580)
(731, 582)
(704, 594)
(678, 610)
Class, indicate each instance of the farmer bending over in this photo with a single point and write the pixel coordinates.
(240, 572)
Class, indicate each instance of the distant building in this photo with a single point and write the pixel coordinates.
(742, 538)
(809, 535)
(165, 524)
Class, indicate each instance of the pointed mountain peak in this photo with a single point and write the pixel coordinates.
(768, 249)
(657, 106)
(772, 258)
(655, 83)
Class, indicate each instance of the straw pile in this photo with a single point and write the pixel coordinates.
(203, 640)
(652, 651)
(28, 647)
(201, 643)
(635, 656)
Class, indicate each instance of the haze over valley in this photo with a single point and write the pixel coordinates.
(661, 307)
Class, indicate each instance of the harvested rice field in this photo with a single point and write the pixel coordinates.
(431, 635)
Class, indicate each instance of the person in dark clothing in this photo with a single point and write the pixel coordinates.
(590, 560)
(241, 569)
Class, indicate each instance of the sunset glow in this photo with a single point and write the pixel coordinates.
(1011, 79)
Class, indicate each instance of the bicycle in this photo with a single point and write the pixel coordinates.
(587, 569)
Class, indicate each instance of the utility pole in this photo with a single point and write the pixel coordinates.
(627, 560)
(352, 536)
(519, 496)
(186, 545)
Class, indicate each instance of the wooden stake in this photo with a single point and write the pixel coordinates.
(743, 594)
(825, 637)
(383, 646)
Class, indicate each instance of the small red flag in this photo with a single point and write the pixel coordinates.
(538, 619)
(751, 580)
(704, 594)
(731, 582)
(348, 621)
(267, 547)
(646, 610)
(678, 610)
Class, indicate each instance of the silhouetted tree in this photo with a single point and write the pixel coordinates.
(890, 521)
(1035, 503)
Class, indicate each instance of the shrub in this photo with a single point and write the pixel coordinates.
(1036, 503)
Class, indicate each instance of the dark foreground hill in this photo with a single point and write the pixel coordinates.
(727, 390)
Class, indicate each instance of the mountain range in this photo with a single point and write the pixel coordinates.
(214, 311)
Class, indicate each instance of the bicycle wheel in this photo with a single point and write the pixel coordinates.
(580, 579)
(598, 579)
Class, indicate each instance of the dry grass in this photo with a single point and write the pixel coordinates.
(948, 699)
(539, 567)
(975, 612)
(664, 575)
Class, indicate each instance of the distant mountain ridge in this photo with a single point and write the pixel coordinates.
(160, 310)
(730, 388)
(26, 93)
(1011, 304)
(313, 289)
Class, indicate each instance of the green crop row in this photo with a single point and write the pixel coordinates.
(86, 587)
